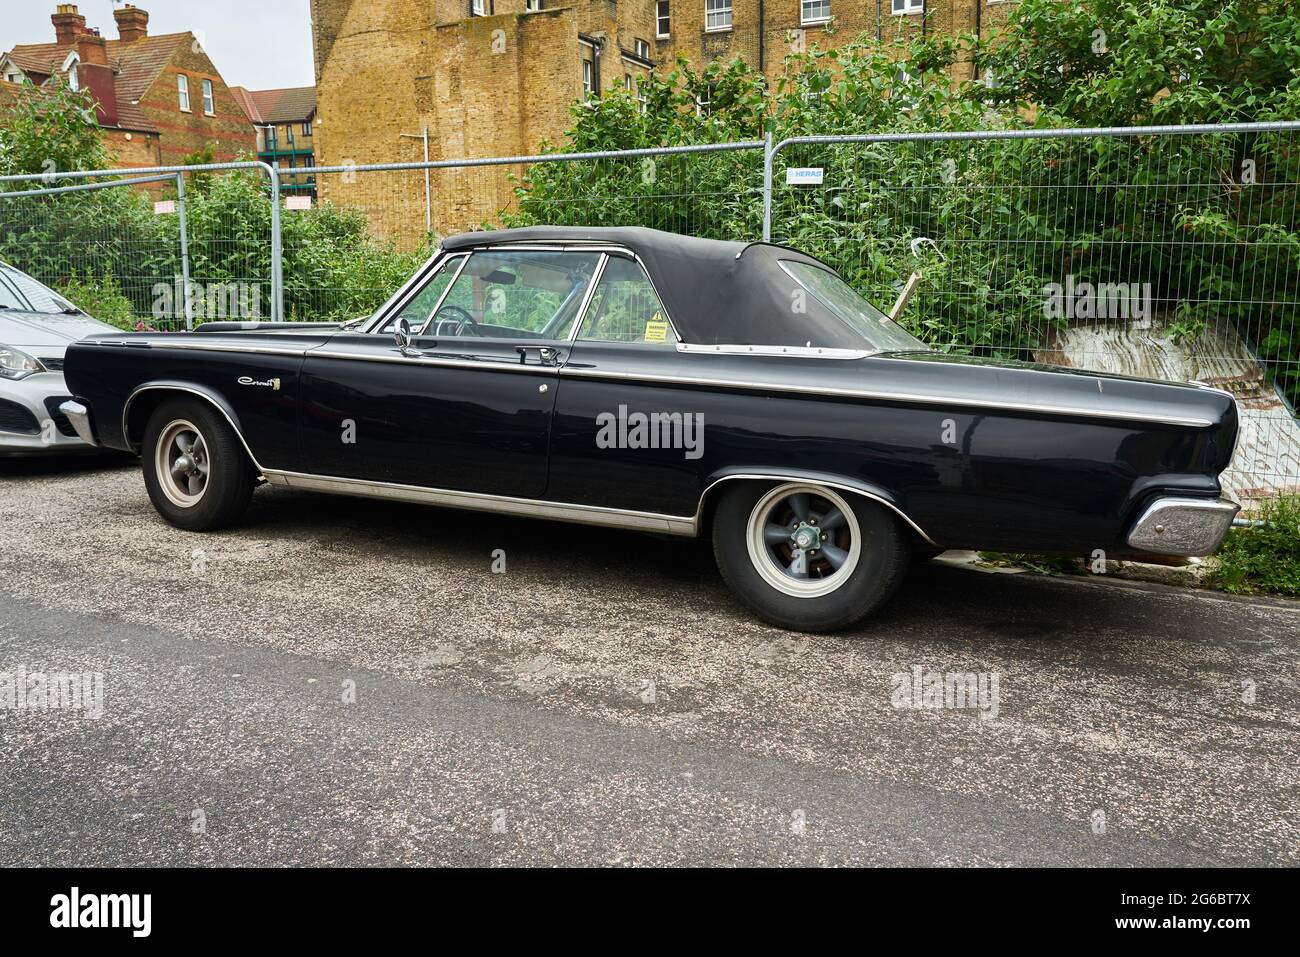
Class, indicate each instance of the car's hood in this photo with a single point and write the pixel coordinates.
(46, 331)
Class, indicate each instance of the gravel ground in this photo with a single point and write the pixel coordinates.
(345, 681)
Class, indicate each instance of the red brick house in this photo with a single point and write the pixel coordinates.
(159, 98)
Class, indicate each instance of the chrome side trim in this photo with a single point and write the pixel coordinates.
(224, 347)
(484, 365)
(904, 397)
(1183, 526)
(477, 501)
(192, 390)
(806, 352)
(814, 480)
(79, 416)
(580, 373)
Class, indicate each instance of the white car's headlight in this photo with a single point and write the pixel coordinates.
(16, 364)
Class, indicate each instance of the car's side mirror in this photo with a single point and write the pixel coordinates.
(402, 336)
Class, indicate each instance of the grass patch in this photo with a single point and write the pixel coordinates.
(1263, 559)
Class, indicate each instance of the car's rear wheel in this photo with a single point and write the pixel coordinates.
(195, 468)
(806, 556)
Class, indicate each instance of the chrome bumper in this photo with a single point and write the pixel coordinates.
(79, 416)
(1183, 526)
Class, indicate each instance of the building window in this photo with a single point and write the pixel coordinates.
(704, 101)
(908, 6)
(717, 14)
(661, 20)
(480, 8)
(306, 128)
(532, 6)
(183, 89)
(209, 105)
(74, 81)
(814, 11)
(588, 80)
(641, 48)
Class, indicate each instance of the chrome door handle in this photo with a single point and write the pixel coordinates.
(547, 355)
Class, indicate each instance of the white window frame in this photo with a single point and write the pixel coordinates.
(74, 80)
(478, 8)
(807, 21)
(663, 20)
(209, 98)
(588, 80)
(720, 8)
(532, 6)
(183, 92)
(641, 48)
(902, 8)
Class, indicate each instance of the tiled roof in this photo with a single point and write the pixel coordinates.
(135, 66)
(294, 104)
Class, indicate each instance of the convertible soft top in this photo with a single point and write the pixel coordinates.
(716, 292)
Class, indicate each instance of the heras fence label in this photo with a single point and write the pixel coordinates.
(803, 176)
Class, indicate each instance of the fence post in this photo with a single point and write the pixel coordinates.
(277, 250)
(185, 252)
(767, 187)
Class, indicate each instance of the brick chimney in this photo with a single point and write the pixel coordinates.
(92, 49)
(68, 24)
(132, 23)
(97, 76)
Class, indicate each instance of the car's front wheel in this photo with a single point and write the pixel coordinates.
(195, 468)
(808, 557)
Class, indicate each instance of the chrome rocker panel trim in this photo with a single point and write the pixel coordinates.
(1189, 527)
(79, 416)
(477, 501)
(687, 526)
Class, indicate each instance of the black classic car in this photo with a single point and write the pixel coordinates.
(644, 380)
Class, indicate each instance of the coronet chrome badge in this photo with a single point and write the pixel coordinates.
(263, 383)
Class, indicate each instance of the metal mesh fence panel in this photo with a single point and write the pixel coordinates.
(1169, 256)
(119, 253)
(389, 219)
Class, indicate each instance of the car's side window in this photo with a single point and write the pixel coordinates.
(505, 294)
(419, 309)
(625, 308)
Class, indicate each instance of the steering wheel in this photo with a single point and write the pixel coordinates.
(466, 318)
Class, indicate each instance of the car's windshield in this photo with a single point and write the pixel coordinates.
(881, 333)
(20, 291)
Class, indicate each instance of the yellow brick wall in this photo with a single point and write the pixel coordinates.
(183, 133)
(502, 84)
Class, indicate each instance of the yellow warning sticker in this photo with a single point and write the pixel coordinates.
(656, 330)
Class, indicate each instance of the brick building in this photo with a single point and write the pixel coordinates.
(285, 122)
(158, 98)
(498, 77)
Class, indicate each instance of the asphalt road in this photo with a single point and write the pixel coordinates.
(349, 682)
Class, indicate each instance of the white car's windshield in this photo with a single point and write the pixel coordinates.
(20, 291)
(881, 333)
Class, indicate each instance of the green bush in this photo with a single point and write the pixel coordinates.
(1263, 558)
(102, 298)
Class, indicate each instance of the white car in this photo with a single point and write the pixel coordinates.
(36, 327)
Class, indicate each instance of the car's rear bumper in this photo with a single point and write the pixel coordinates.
(1182, 526)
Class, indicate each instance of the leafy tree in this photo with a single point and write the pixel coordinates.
(48, 130)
